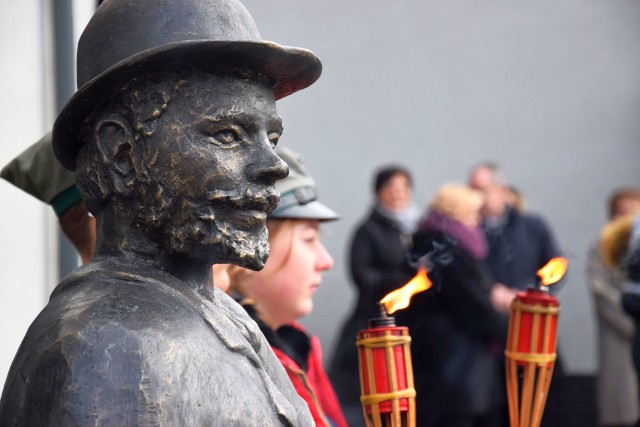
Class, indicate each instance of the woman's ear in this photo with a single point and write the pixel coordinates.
(114, 140)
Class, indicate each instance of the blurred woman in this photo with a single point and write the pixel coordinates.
(378, 261)
(454, 326)
(616, 385)
(283, 291)
(620, 249)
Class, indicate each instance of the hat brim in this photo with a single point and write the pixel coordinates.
(312, 210)
(289, 68)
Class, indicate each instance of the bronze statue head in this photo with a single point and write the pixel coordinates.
(187, 159)
(173, 126)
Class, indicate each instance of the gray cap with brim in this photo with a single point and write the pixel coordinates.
(298, 196)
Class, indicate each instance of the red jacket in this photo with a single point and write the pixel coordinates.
(313, 385)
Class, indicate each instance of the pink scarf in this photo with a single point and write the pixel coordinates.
(470, 239)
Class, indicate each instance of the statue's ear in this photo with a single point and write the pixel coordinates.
(114, 140)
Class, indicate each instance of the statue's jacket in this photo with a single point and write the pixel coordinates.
(118, 346)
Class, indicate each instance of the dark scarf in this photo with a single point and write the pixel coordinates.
(471, 240)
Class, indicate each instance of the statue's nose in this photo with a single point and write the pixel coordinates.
(269, 168)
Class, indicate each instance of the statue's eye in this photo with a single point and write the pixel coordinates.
(273, 138)
(226, 137)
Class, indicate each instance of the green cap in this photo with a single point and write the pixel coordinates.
(37, 172)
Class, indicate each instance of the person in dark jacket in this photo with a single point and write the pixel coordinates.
(454, 327)
(378, 262)
(519, 243)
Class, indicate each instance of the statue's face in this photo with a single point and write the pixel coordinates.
(214, 168)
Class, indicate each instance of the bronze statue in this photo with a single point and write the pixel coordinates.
(171, 134)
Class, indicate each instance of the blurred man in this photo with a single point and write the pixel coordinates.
(519, 243)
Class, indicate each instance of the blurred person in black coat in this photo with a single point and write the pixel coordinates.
(378, 263)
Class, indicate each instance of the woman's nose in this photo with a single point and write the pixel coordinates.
(324, 261)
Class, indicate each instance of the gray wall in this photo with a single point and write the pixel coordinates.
(550, 89)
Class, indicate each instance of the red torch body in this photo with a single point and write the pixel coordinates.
(533, 326)
(388, 364)
(386, 374)
(530, 354)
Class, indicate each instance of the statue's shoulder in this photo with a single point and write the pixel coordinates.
(91, 297)
(124, 341)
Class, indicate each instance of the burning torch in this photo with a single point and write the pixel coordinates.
(531, 346)
(384, 361)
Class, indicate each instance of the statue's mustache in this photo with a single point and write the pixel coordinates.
(264, 199)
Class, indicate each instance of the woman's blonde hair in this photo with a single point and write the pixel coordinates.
(457, 201)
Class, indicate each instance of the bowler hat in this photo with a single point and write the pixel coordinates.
(298, 198)
(125, 38)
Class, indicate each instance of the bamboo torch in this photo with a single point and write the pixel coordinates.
(384, 362)
(531, 347)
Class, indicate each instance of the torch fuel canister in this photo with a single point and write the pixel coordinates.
(530, 355)
(386, 373)
(531, 346)
(533, 327)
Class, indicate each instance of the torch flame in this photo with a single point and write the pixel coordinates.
(553, 271)
(399, 299)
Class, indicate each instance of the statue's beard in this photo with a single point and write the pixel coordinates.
(218, 241)
(212, 228)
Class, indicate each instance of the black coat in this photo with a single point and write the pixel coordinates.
(378, 261)
(455, 337)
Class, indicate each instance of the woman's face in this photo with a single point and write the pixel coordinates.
(396, 193)
(283, 290)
